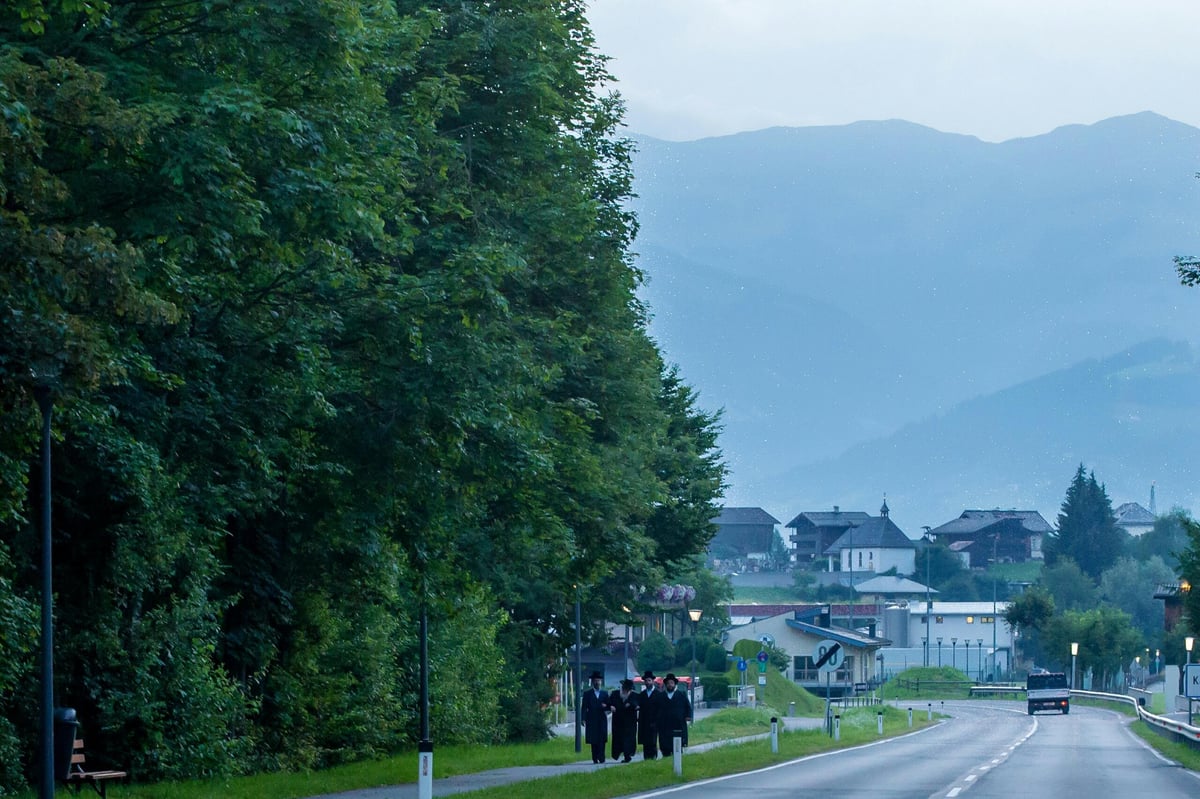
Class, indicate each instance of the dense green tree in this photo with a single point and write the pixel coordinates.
(656, 653)
(1189, 574)
(1165, 540)
(338, 309)
(1087, 531)
(1028, 614)
(1130, 586)
(937, 564)
(1069, 586)
(1107, 642)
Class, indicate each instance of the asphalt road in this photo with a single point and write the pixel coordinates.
(993, 750)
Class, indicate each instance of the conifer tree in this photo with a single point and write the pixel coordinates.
(1087, 529)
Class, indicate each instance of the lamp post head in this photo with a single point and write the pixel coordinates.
(695, 615)
(1189, 642)
(1074, 649)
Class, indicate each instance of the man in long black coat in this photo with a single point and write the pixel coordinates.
(594, 707)
(624, 704)
(648, 717)
(674, 713)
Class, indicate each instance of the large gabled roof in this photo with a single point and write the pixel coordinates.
(839, 518)
(972, 521)
(1133, 513)
(887, 584)
(843, 635)
(878, 531)
(729, 516)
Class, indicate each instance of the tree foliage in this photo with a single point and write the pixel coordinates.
(1087, 531)
(336, 303)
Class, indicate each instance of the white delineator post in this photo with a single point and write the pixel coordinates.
(774, 735)
(677, 752)
(425, 770)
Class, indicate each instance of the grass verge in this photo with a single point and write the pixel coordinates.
(857, 726)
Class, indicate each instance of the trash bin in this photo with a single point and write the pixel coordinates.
(65, 726)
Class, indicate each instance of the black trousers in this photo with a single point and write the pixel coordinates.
(598, 752)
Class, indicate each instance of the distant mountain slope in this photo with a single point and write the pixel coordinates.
(1132, 418)
(828, 286)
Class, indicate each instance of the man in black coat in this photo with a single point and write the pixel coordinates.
(674, 713)
(594, 707)
(648, 717)
(624, 704)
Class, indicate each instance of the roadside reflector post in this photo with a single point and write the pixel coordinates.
(837, 727)
(677, 753)
(774, 735)
(880, 717)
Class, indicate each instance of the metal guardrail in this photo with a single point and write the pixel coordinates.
(991, 690)
(1168, 727)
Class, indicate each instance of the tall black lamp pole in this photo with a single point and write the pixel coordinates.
(42, 394)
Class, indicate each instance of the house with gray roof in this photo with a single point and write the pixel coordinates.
(872, 547)
(1134, 519)
(1007, 536)
(814, 531)
(743, 534)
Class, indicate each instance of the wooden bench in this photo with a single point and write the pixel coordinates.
(77, 774)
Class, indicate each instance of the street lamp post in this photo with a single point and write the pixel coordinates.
(953, 652)
(1137, 662)
(41, 393)
(1074, 654)
(1188, 642)
(695, 616)
(939, 651)
(980, 644)
(995, 581)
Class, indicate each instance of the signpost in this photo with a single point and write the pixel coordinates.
(1191, 684)
(827, 658)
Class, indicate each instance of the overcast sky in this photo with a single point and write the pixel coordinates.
(996, 69)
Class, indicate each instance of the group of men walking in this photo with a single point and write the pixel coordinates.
(650, 718)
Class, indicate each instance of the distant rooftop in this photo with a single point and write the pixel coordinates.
(729, 516)
(972, 521)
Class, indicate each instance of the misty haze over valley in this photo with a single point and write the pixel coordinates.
(881, 308)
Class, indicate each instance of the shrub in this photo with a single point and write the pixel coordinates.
(716, 659)
(656, 653)
(716, 687)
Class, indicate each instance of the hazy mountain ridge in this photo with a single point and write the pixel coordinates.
(829, 286)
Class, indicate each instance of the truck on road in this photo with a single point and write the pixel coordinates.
(1047, 690)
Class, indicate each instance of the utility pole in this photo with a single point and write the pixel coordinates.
(928, 596)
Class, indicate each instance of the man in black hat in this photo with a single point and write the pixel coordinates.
(624, 704)
(594, 707)
(674, 713)
(648, 717)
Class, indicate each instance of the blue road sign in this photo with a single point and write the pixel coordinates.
(741, 664)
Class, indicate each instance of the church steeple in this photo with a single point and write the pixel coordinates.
(884, 510)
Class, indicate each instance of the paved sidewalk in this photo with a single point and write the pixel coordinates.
(505, 776)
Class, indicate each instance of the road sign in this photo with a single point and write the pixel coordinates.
(741, 664)
(828, 656)
(1191, 681)
(762, 657)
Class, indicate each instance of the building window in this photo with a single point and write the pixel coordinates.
(987, 619)
(970, 619)
(938, 619)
